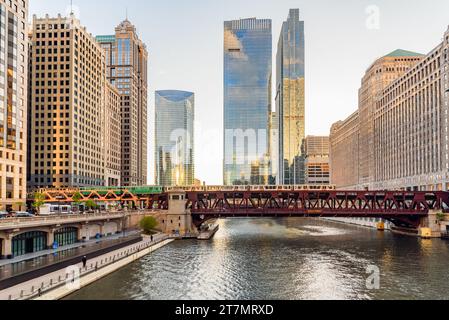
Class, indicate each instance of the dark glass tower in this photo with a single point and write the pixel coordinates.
(290, 100)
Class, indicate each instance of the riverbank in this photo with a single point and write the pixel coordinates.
(90, 278)
(63, 282)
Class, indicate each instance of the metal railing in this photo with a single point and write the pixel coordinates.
(13, 222)
(67, 278)
(67, 218)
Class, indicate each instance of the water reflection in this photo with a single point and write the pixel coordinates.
(283, 259)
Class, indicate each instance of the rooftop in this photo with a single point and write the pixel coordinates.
(174, 95)
(404, 53)
(105, 38)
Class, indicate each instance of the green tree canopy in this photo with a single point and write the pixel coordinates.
(148, 224)
(90, 204)
(441, 216)
(39, 201)
(77, 198)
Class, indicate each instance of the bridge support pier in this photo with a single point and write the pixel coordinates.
(430, 226)
(178, 220)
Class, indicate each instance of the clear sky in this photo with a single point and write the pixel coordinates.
(185, 44)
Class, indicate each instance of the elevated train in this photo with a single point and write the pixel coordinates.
(159, 189)
(253, 188)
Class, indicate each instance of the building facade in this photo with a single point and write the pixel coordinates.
(316, 155)
(411, 121)
(290, 99)
(67, 105)
(247, 101)
(127, 60)
(378, 76)
(13, 103)
(174, 140)
(402, 135)
(112, 136)
(344, 152)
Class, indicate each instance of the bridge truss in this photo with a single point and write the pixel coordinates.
(401, 208)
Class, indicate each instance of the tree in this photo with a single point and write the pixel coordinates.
(441, 216)
(39, 201)
(148, 224)
(90, 204)
(77, 197)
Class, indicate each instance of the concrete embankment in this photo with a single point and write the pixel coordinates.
(67, 280)
(39, 271)
(89, 278)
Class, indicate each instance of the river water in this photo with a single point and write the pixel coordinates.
(284, 259)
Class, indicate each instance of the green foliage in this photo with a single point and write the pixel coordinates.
(148, 224)
(39, 201)
(90, 204)
(441, 216)
(77, 198)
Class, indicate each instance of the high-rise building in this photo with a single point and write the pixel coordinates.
(403, 119)
(274, 149)
(13, 103)
(247, 101)
(378, 76)
(344, 152)
(290, 100)
(316, 155)
(67, 105)
(127, 59)
(112, 136)
(174, 140)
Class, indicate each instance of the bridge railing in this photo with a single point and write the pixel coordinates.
(12, 222)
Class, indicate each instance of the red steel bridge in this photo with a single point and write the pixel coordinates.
(403, 208)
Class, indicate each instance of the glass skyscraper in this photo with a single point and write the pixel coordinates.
(290, 100)
(247, 100)
(175, 115)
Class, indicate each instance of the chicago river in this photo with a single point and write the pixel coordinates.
(283, 259)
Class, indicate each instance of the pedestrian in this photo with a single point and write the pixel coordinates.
(151, 238)
(84, 261)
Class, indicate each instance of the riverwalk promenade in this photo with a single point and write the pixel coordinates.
(28, 262)
(63, 282)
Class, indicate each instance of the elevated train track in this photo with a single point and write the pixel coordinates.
(208, 202)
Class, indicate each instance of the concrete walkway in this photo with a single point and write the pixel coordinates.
(64, 281)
